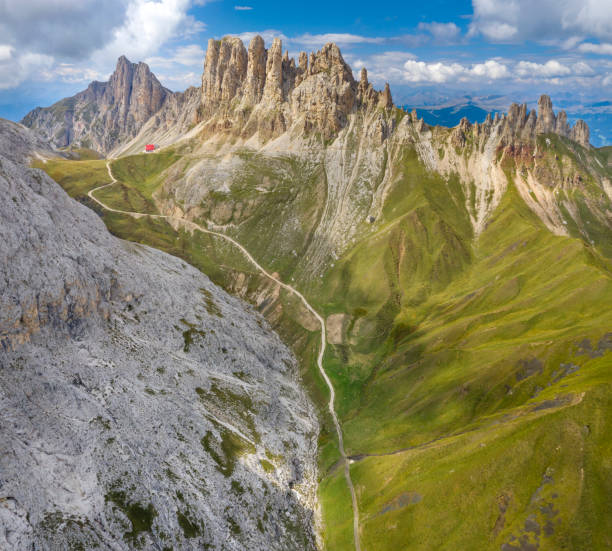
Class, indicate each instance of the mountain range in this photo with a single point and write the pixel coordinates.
(459, 392)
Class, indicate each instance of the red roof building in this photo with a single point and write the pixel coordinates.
(149, 147)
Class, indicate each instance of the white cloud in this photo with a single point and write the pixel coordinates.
(386, 66)
(549, 69)
(552, 69)
(71, 73)
(189, 55)
(62, 28)
(499, 32)
(590, 48)
(73, 41)
(148, 26)
(419, 71)
(490, 69)
(243, 8)
(268, 35)
(192, 54)
(16, 69)
(342, 39)
(441, 32)
(181, 80)
(6, 52)
(391, 57)
(541, 20)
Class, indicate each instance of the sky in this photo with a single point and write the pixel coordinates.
(430, 52)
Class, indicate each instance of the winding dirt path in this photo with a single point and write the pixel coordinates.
(332, 393)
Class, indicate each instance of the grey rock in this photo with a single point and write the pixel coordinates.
(137, 399)
(519, 125)
(104, 115)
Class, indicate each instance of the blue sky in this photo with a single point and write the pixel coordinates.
(431, 54)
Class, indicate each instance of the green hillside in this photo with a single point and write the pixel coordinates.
(472, 372)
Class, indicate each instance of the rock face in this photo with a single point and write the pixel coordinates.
(18, 145)
(263, 92)
(519, 124)
(171, 123)
(106, 113)
(142, 406)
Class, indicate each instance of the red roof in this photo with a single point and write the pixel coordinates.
(149, 147)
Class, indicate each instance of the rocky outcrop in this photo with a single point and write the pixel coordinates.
(264, 92)
(19, 145)
(106, 114)
(171, 123)
(519, 124)
(580, 133)
(142, 407)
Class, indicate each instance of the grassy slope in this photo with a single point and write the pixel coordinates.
(448, 340)
(142, 172)
(461, 352)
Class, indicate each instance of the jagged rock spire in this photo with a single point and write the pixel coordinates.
(265, 91)
(546, 116)
(273, 89)
(385, 99)
(523, 125)
(256, 70)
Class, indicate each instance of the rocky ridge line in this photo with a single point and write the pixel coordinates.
(519, 124)
(263, 91)
(106, 113)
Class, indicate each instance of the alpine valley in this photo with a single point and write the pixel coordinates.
(307, 320)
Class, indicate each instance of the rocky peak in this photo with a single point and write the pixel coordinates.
(265, 91)
(329, 60)
(524, 125)
(256, 70)
(521, 125)
(546, 116)
(273, 89)
(386, 100)
(581, 133)
(225, 70)
(106, 113)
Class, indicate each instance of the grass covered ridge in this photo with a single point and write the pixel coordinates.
(473, 375)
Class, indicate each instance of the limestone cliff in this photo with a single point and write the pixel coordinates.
(263, 92)
(106, 113)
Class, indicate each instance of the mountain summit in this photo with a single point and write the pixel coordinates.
(104, 114)
(265, 91)
(254, 92)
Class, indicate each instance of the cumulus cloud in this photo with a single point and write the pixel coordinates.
(72, 41)
(420, 71)
(544, 20)
(14, 69)
(60, 27)
(441, 32)
(551, 68)
(590, 48)
(148, 25)
(386, 66)
(6, 52)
